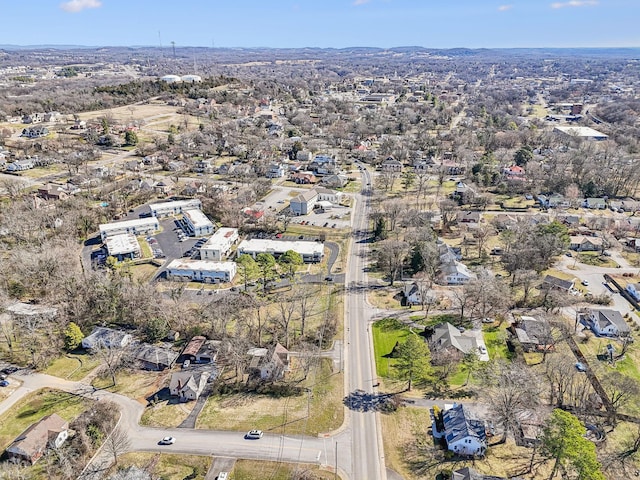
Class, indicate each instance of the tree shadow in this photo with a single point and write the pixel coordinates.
(361, 401)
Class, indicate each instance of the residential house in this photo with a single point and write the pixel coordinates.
(551, 281)
(188, 384)
(468, 216)
(324, 165)
(33, 118)
(304, 156)
(20, 165)
(607, 322)
(35, 132)
(534, 334)
(446, 336)
(134, 165)
(412, 294)
(106, 337)
(554, 200)
(50, 432)
(204, 166)
(634, 288)
(464, 435)
(274, 366)
(595, 203)
(390, 164)
(304, 178)
(275, 170)
(334, 181)
(192, 348)
(53, 117)
(52, 192)
(463, 189)
(151, 357)
(581, 243)
(455, 274)
(193, 188)
(514, 172)
(164, 186)
(176, 166)
(328, 195)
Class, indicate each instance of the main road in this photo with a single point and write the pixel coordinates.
(366, 438)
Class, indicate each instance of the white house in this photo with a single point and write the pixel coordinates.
(50, 432)
(608, 323)
(201, 271)
(106, 337)
(197, 223)
(580, 243)
(463, 434)
(328, 195)
(595, 203)
(188, 385)
(219, 244)
(455, 274)
(276, 170)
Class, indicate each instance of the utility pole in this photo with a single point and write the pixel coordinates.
(335, 472)
(173, 44)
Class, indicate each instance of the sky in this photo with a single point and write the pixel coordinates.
(322, 23)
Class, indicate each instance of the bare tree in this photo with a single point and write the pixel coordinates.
(391, 255)
(117, 443)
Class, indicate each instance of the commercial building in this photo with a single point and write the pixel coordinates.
(141, 226)
(177, 207)
(311, 252)
(197, 223)
(123, 246)
(219, 244)
(201, 271)
(581, 132)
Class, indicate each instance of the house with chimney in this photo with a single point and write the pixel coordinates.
(188, 384)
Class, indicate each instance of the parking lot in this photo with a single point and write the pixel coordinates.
(335, 217)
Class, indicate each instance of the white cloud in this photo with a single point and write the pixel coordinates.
(504, 8)
(360, 2)
(75, 6)
(574, 3)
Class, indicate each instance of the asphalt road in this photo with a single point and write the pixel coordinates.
(366, 442)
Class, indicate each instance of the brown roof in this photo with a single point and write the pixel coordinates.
(194, 345)
(33, 441)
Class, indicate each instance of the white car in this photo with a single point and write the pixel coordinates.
(585, 283)
(254, 434)
(167, 441)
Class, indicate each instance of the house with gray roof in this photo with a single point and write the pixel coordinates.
(464, 435)
(551, 281)
(534, 334)
(188, 384)
(447, 336)
(151, 357)
(607, 322)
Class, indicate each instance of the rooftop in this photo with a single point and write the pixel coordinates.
(122, 244)
(197, 218)
(201, 266)
(281, 246)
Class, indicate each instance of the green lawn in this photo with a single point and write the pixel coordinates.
(495, 339)
(386, 333)
(35, 406)
(73, 366)
(595, 259)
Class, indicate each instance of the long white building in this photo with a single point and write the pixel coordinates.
(177, 207)
(311, 252)
(197, 223)
(139, 226)
(219, 244)
(201, 271)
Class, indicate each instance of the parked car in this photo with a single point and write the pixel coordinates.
(254, 434)
(580, 367)
(585, 283)
(4, 383)
(167, 441)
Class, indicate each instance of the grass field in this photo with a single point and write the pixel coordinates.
(166, 466)
(35, 406)
(245, 411)
(254, 470)
(73, 366)
(134, 384)
(386, 333)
